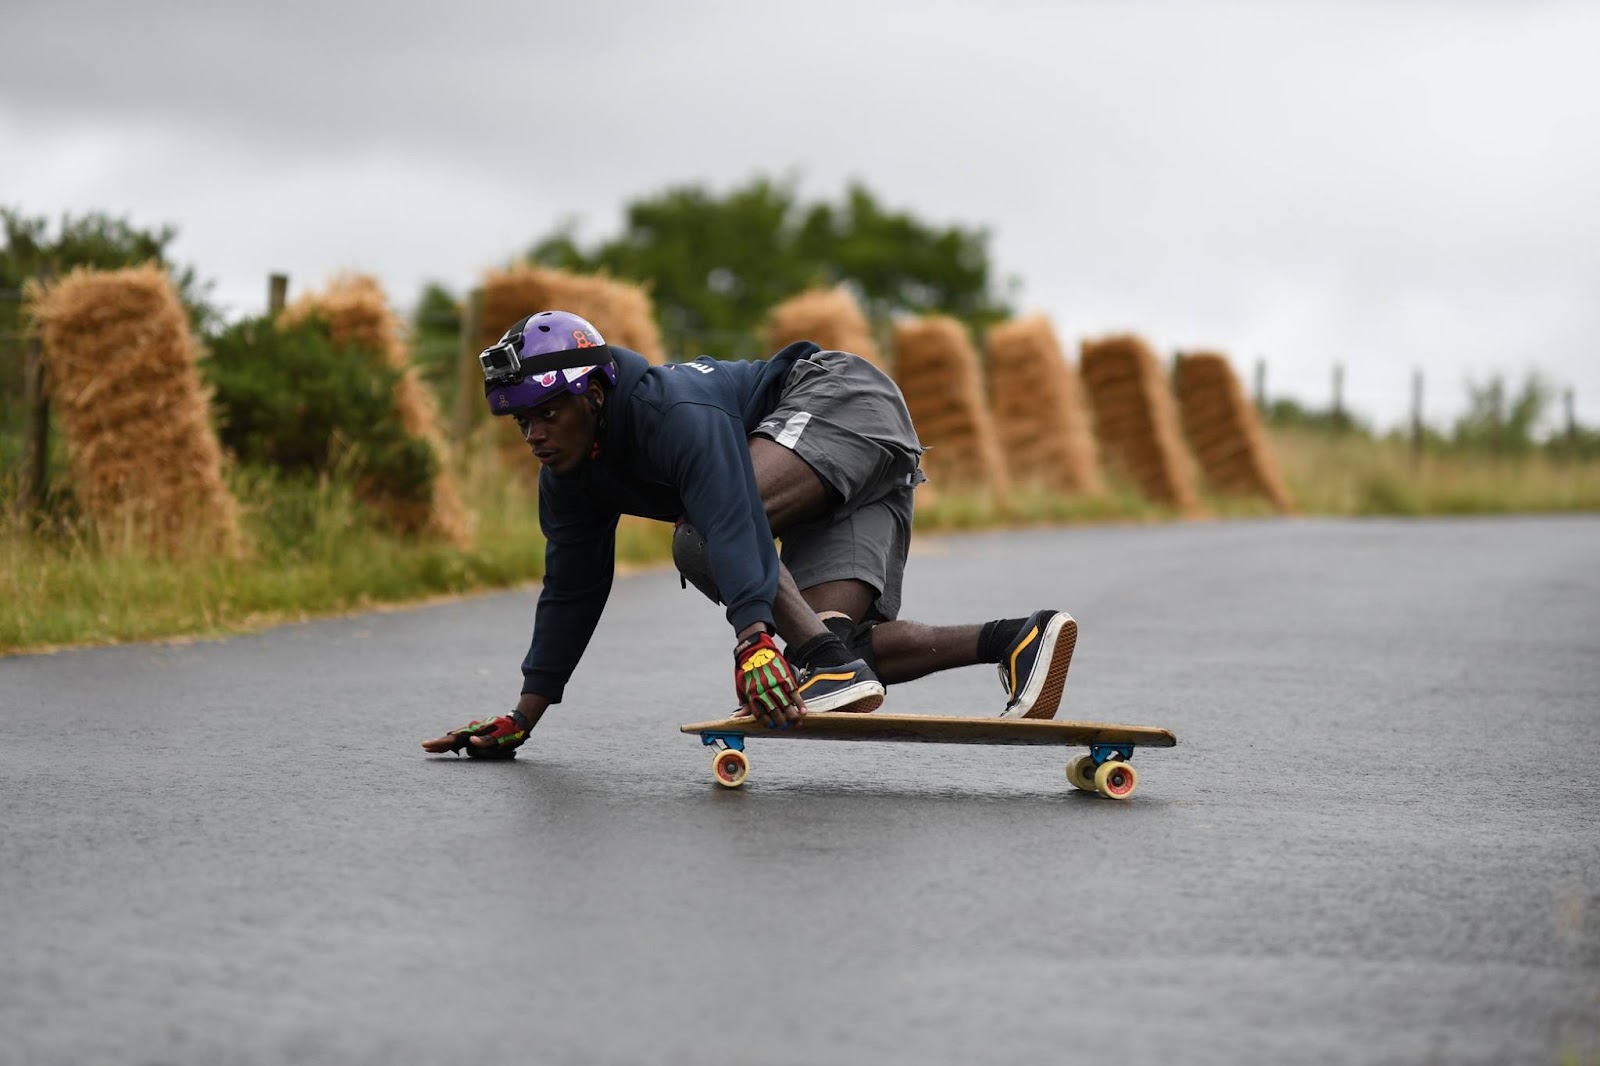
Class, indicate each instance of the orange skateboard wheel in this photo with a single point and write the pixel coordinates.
(1115, 779)
(730, 768)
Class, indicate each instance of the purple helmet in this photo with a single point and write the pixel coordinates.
(541, 356)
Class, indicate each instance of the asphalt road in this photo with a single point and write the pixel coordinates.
(1377, 841)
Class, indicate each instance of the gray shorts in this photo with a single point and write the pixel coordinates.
(848, 421)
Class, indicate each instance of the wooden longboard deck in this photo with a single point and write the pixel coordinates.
(940, 729)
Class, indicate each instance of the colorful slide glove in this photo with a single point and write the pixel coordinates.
(762, 679)
(506, 733)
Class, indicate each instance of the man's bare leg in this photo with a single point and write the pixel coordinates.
(906, 650)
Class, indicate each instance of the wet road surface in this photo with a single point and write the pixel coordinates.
(1377, 841)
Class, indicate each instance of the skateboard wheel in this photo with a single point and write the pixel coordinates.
(1080, 772)
(1115, 780)
(730, 768)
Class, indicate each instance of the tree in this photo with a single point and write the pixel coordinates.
(1500, 422)
(436, 339)
(95, 240)
(716, 265)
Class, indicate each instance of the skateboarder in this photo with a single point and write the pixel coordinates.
(812, 446)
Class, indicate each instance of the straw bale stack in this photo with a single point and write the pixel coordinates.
(145, 461)
(829, 317)
(357, 314)
(937, 370)
(1135, 419)
(1223, 431)
(621, 312)
(1039, 410)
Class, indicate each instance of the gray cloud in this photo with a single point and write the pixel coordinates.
(1384, 184)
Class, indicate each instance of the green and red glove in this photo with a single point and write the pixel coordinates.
(501, 738)
(763, 681)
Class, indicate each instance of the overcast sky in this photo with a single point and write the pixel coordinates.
(1390, 185)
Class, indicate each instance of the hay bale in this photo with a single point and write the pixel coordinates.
(1135, 420)
(358, 315)
(829, 317)
(937, 369)
(1039, 410)
(145, 461)
(1223, 430)
(621, 312)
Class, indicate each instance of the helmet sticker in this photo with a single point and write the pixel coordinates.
(546, 379)
(582, 339)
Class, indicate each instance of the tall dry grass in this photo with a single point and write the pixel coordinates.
(317, 549)
(1352, 474)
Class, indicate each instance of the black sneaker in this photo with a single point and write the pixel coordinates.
(1034, 670)
(850, 688)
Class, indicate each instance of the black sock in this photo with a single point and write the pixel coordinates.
(995, 637)
(825, 649)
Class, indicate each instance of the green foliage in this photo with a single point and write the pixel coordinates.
(436, 340)
(290, 399)
(96, 240)
(1289, 414)
(1500, 422)
(716, 265)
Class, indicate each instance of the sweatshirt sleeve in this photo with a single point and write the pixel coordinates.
(708, 459)
(579, 562)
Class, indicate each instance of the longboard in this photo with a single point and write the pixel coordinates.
(1105, 770)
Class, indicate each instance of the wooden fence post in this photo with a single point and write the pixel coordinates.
(277, 293)
(1569, 402)
(1338, 396)
(469, 376)
(1416, 417)
(35, 429)
(1261, 386)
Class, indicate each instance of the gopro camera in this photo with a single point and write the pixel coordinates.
(500, 360)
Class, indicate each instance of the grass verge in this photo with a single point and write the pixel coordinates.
(1353, 474)
(316, 550)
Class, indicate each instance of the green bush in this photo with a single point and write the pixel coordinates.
(290, 399)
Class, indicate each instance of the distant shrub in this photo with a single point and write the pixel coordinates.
(1387, 492)
(289, 398)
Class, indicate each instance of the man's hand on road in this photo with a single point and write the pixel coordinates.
(489, 738)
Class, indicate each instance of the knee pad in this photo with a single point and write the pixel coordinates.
(857, 636)
(689, 555)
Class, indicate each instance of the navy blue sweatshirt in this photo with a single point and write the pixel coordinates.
(673, 442)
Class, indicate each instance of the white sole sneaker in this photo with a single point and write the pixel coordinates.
(860, 698)
(1041, 695)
